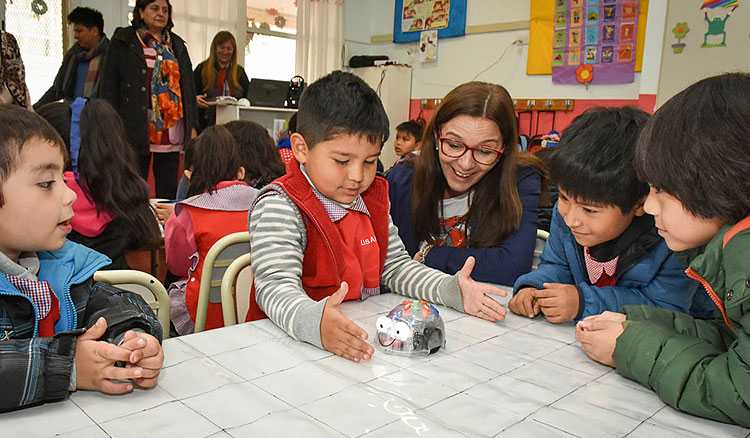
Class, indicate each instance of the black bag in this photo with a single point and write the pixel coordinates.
(365, 60)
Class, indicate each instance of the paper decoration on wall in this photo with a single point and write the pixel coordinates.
(717, 24)
(542, 36)
(679, 30)
(428, 45)
(597, 33)
(447, 17)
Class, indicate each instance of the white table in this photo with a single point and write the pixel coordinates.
(515, 378)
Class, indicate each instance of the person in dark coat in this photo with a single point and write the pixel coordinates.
(80, 72)
(148, 79)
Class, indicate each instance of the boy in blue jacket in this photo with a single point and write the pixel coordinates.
(603, 251)
(59, 330)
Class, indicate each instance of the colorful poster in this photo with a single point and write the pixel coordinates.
(594, 41)
(428, 46)
(447, 17)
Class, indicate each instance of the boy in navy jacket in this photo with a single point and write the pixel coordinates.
(59, 330)
(603, 251)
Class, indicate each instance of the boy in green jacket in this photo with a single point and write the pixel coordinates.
(695, 154)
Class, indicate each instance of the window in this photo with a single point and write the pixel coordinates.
(271, 39)
(40, 38)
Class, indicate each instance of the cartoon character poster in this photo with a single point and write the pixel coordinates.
(599, 34)
(448, 17)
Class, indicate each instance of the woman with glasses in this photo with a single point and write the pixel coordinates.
(470, 192)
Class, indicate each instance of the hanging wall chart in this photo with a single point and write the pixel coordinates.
(412, 17)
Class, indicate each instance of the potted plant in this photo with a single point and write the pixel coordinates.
(679, 31)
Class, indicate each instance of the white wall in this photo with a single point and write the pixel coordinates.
(460, 59)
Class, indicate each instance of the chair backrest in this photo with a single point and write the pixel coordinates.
(218, 258)
(541, 240)
(229, 288)
(145, 285)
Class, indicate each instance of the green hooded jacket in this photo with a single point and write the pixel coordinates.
(698, 366)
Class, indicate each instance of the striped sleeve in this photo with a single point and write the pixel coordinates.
(277, 242)
(408, 277)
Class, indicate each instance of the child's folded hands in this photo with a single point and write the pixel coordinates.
(146, 353)
(339, 334)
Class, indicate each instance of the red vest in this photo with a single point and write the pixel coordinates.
(323, 265)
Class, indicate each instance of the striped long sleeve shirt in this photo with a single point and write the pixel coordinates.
(277, 242)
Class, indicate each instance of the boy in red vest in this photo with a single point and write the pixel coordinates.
(322, 233)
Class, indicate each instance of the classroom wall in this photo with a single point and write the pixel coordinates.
(115, 13)
(678, 70)
(463, 59)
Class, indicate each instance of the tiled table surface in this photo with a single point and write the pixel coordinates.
(517, 378)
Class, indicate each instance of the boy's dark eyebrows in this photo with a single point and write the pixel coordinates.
(351, 155)
(46, 166)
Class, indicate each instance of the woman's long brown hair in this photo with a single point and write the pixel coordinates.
(496, 204)
(209, 67)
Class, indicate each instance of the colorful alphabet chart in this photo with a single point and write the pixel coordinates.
(594, 41)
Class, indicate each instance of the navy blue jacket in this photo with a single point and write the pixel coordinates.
(658, 279)
(500, 264)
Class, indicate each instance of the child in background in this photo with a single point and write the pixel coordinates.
(112, 211)
(694, 153)
(62, 331)
(260, 157)
(284, 145)
(408, 138)
(217, 205)
(322, 233)
(603, 252)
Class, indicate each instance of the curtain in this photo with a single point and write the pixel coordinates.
(197, 21)
(320, 37)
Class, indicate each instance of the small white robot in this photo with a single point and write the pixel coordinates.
(413, 327)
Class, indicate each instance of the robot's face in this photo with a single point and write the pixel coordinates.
(412, 327)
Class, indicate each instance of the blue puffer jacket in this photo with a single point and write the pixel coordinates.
(658, 279)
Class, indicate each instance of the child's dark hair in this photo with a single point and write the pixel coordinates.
(341, 104)
(17, 127)
(260, 158)
(216, 158)
(292, 128)
(695, 147)
(87, 17)
(106, 166)
(593, 161)
(413, 127)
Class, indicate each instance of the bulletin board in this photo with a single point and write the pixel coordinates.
(685, 60)
(411, 17)
(542, 29)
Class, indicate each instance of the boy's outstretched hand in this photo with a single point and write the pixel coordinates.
(339, 334)
(95, 363)
(145, 352)
(474, 295)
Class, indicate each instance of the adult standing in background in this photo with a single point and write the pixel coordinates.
(82, 65)
(219, 75)
(148, 78)
(13, 88)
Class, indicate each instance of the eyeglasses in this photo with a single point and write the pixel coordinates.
(450, 147)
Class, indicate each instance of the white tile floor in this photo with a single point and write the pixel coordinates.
(517, 378)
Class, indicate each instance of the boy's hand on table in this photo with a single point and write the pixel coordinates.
(339, 334)
(559, 302)
(524, 303)
(474, 295)
(95, 363)
(598, 336)
(147, 354)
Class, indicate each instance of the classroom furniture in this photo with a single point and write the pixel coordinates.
(265, 116)
(520, 377)
(229, 288)
(145, 285)
(218, 258)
